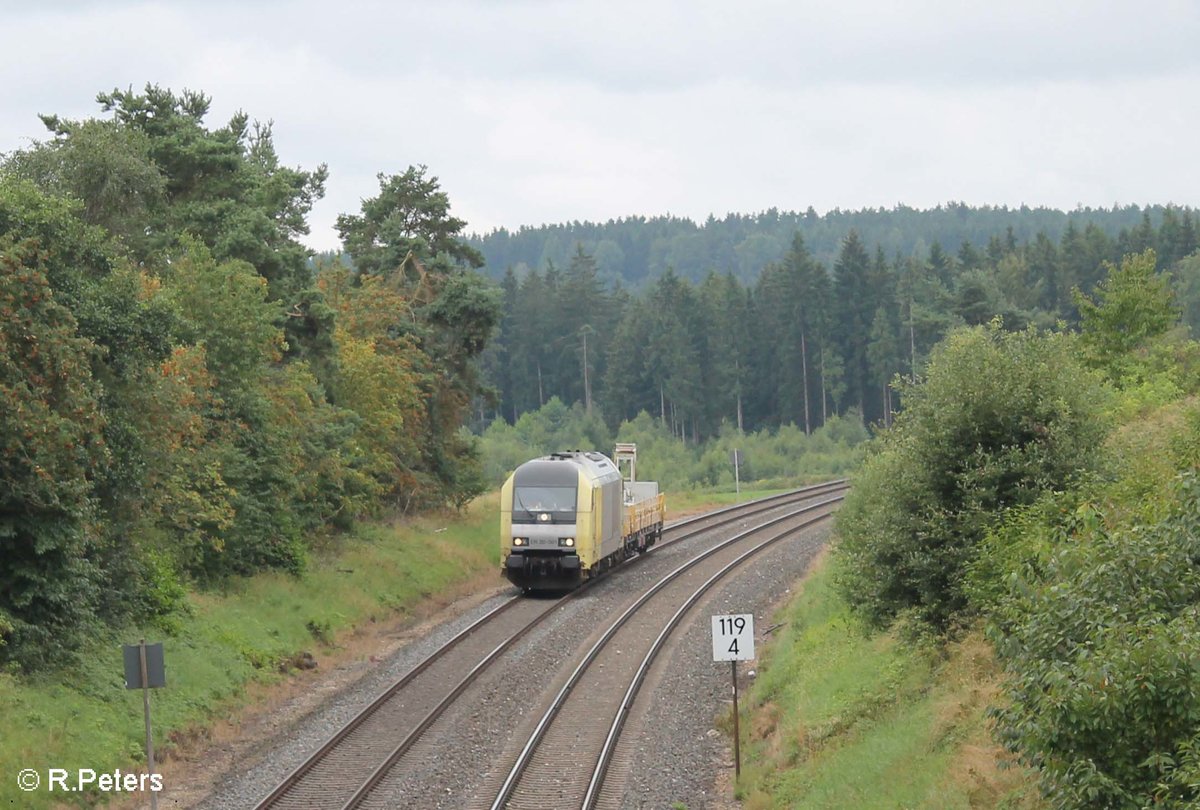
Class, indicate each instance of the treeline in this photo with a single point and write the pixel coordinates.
(637, 250)
(804, 340)
(183, 396)
(1043, 486)
(769, 458)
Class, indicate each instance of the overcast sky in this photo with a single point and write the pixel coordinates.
(542, 111)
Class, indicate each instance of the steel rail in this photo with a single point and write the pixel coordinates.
(614, 733)
(363, 715)
(726, 514)
(380, 773)
(807, 491)
(535, 738)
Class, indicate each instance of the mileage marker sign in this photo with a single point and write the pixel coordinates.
(733, 637)
(733, 641)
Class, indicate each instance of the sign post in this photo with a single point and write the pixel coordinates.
(736, 457)
(144, 669)
(733, 641)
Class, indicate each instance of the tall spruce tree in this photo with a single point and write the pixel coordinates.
(854, 307)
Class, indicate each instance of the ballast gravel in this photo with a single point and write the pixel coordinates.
(678, 757)
(679, 754)
(248, 783)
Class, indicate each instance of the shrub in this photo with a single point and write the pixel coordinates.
(782, 456)
(1102, 647)
(1000, 418)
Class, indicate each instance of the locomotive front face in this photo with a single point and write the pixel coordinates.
(543, 544)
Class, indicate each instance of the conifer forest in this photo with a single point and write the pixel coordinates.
(190, 396)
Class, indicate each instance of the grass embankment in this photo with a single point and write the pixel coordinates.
(838, 718)
(238, 643)
(246, 635)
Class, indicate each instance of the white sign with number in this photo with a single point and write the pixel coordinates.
(733, 637)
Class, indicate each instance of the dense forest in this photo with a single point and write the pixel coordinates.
(637, 250)
(184, 396)
(802, 339)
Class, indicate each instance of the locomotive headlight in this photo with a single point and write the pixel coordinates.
(569, 542)
(520, 541)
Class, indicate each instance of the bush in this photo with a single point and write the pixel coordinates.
(1102, 647)
(1000, 418)
(551, 428)
(783, 456)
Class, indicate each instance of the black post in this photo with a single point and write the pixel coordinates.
(737, 750)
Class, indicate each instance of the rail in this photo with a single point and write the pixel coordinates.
(525, 757)
(285, 792)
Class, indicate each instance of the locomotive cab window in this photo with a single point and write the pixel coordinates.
(559, 502)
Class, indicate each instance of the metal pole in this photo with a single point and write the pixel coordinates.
(737, 475)
(737, 749)
(146, 708)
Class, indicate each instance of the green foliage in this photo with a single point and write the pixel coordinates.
(226, 641)
(1021, 544)
(838, 717)
(108, 168)
(1132, 305)
(411, 215)
(742, 244)
(1100, 643)
(51, 447)
(224, 308)
(73, 253)
(778, 457)
(276, 456)
(820, 321)
(405, 245)
(551, 428)
(1089, 581)
(242, 413)
(999, 418)
(1185, 281)
(223, 186)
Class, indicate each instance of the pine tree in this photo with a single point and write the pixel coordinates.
(883, 355)
(854, 308)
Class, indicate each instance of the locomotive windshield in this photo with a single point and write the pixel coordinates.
(559, 502)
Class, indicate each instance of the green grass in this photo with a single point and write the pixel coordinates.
(244, 635)
(839, 718)
(689, 501)
(695, 500)
(84, 718)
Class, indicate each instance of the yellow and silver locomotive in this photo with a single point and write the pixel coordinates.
(568, 516)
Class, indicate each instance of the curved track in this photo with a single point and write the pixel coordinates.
(344, 770)
(564, 761)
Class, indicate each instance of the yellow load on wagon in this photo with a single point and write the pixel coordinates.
(643, 515)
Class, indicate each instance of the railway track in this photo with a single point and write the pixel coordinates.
(564, 762)
(345, 770)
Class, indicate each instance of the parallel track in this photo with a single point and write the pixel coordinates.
(564, 762)
(344, 770)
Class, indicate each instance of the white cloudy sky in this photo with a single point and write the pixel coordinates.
(544, 111)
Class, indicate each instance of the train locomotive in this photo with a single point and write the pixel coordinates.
(567, 517)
